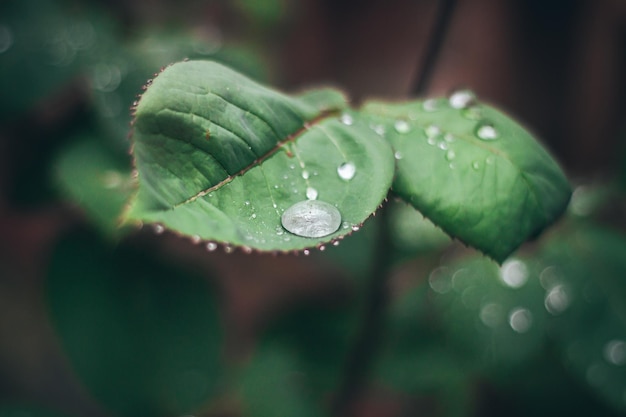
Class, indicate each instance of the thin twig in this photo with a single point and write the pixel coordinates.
(367, 342)
(443, 16)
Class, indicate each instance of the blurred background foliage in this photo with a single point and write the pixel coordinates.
(96, 324)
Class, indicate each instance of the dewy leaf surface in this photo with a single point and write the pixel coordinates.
(473, 171)
(220, 157)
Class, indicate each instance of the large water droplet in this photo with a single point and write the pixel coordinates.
(402, 126)
(520, 320)
(615, 352)
(346, 119)
(346, 171)
(461, 99)
(311, 193)
(486, 131)
(311, 218)
(514, 273)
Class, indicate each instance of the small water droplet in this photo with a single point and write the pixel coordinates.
(247, 203)
(432, 141)
(306, 252)
(345, 225)
(253, 216)
(158, 229)
(430, 105)
(486, 131)
(346, 171)
(402, 126)
(228, 249)
(472, 112)
(514, 273)
(274, 205)
(490, 160)
(443, 146)
(449, 137)
(355, 228)
(461, 99)
(247, 249)
(397, 155)
(346, 119)
(520, 319)
(311, 218)
(615, 352)
(432, 131)
(450, 155)
(452, 165)
(211, 246)
(195, 239)
(476, 165)
(322, 248)
(311, 193)
(379, 129)
(305, 174)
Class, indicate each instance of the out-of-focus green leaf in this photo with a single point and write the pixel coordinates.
(97, 179)
(472, 171)
(224, 158)
(29, 411)
(143, 336)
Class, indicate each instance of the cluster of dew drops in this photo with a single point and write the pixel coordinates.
(466, 102)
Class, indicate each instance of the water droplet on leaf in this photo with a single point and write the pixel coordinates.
(432, 131)
(473, 112)
(158, 229)
(476, 165)
(486, 131)
(402, 126)
(461, 99)
(514, 273)
(311, 218)
(305, 174)
(346, 171)
(311, 193)
(356, 228)
(211, 246)
(346, 119)
(397, 155)
(450, 155)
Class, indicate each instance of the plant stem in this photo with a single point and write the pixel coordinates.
(377, 297)
(443, 16)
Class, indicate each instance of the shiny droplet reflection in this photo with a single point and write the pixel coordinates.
(432, 131)
(402, 126)
(461, 99)
(520, 320)
(311, 193)
(346, 119)
(514, 273)
(487, 132)
(430, 105)
(311, 218)
(346, 171)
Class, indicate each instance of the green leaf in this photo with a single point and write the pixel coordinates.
(472, 170)
(96, 178)
(142, 335)
(222, 158)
